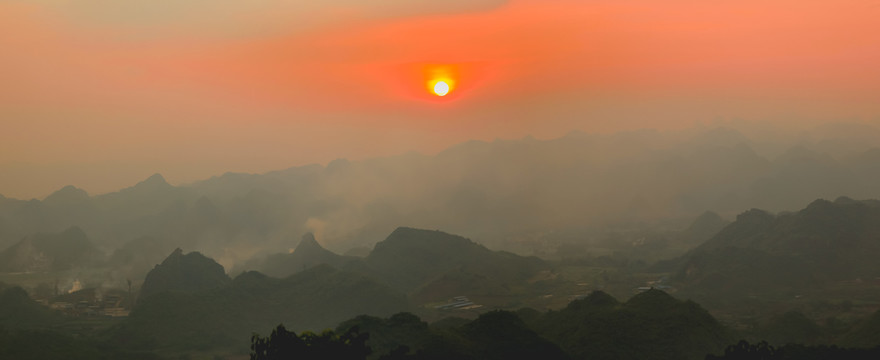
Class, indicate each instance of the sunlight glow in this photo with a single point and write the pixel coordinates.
(441, 80)
(441, 88)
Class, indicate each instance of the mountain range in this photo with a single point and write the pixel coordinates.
(824, 243)
(512, 194)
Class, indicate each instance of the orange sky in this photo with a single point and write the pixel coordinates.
(103, 93)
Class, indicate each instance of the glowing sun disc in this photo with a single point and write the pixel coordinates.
(441, 88)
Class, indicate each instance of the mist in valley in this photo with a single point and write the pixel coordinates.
(481, 179)
(544, 222)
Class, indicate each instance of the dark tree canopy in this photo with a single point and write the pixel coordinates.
(284, 345)
(764, 351)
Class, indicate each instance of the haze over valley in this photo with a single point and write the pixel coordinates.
(705, 214)
(439, 180)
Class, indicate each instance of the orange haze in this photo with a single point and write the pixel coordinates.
(101, 93)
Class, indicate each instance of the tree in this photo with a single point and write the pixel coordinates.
(283, 345)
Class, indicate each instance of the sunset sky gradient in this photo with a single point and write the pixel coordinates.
(102, 93)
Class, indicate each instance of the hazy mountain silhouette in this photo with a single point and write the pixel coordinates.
(703, 228)
(68, 196)
(139, 256)
(226, 316)
(308, 253)
(409, 258)
(651, 325)
(192, 272)
(50, 252)
(18, 311)
(511, 194)
(824, 242)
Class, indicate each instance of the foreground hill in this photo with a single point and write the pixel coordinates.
(651, 325)
(189, 273)
(427, 265)
(865, 334)
(18, 311)
(409, 259)
(216, 313)
(823, 243)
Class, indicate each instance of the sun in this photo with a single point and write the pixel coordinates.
(441, 80)
(441, 88)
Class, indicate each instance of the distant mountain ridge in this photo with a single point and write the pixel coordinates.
(188, 302)
(501, 191)
(824, 242)
(44, 252)
(414, 261)
(307, 254)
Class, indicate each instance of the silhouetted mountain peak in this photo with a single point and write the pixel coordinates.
(308, 244)
(405, 241)
(337, 166)
(409, 237)
(308, 254)
(175, 254)
(747, 224)
(596, 299)
(826, 241)
(599, 297)
(66, 195)
(652, 299)
(819, 205)
(410, 258)
(155, 181)
(48, 251)
(184, 272)
(754, 216)
(843, 200)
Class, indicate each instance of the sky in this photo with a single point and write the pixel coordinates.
(100, 94)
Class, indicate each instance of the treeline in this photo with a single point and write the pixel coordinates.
(651, 325)
(495, 335)
(44, 344)
(764, 351)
